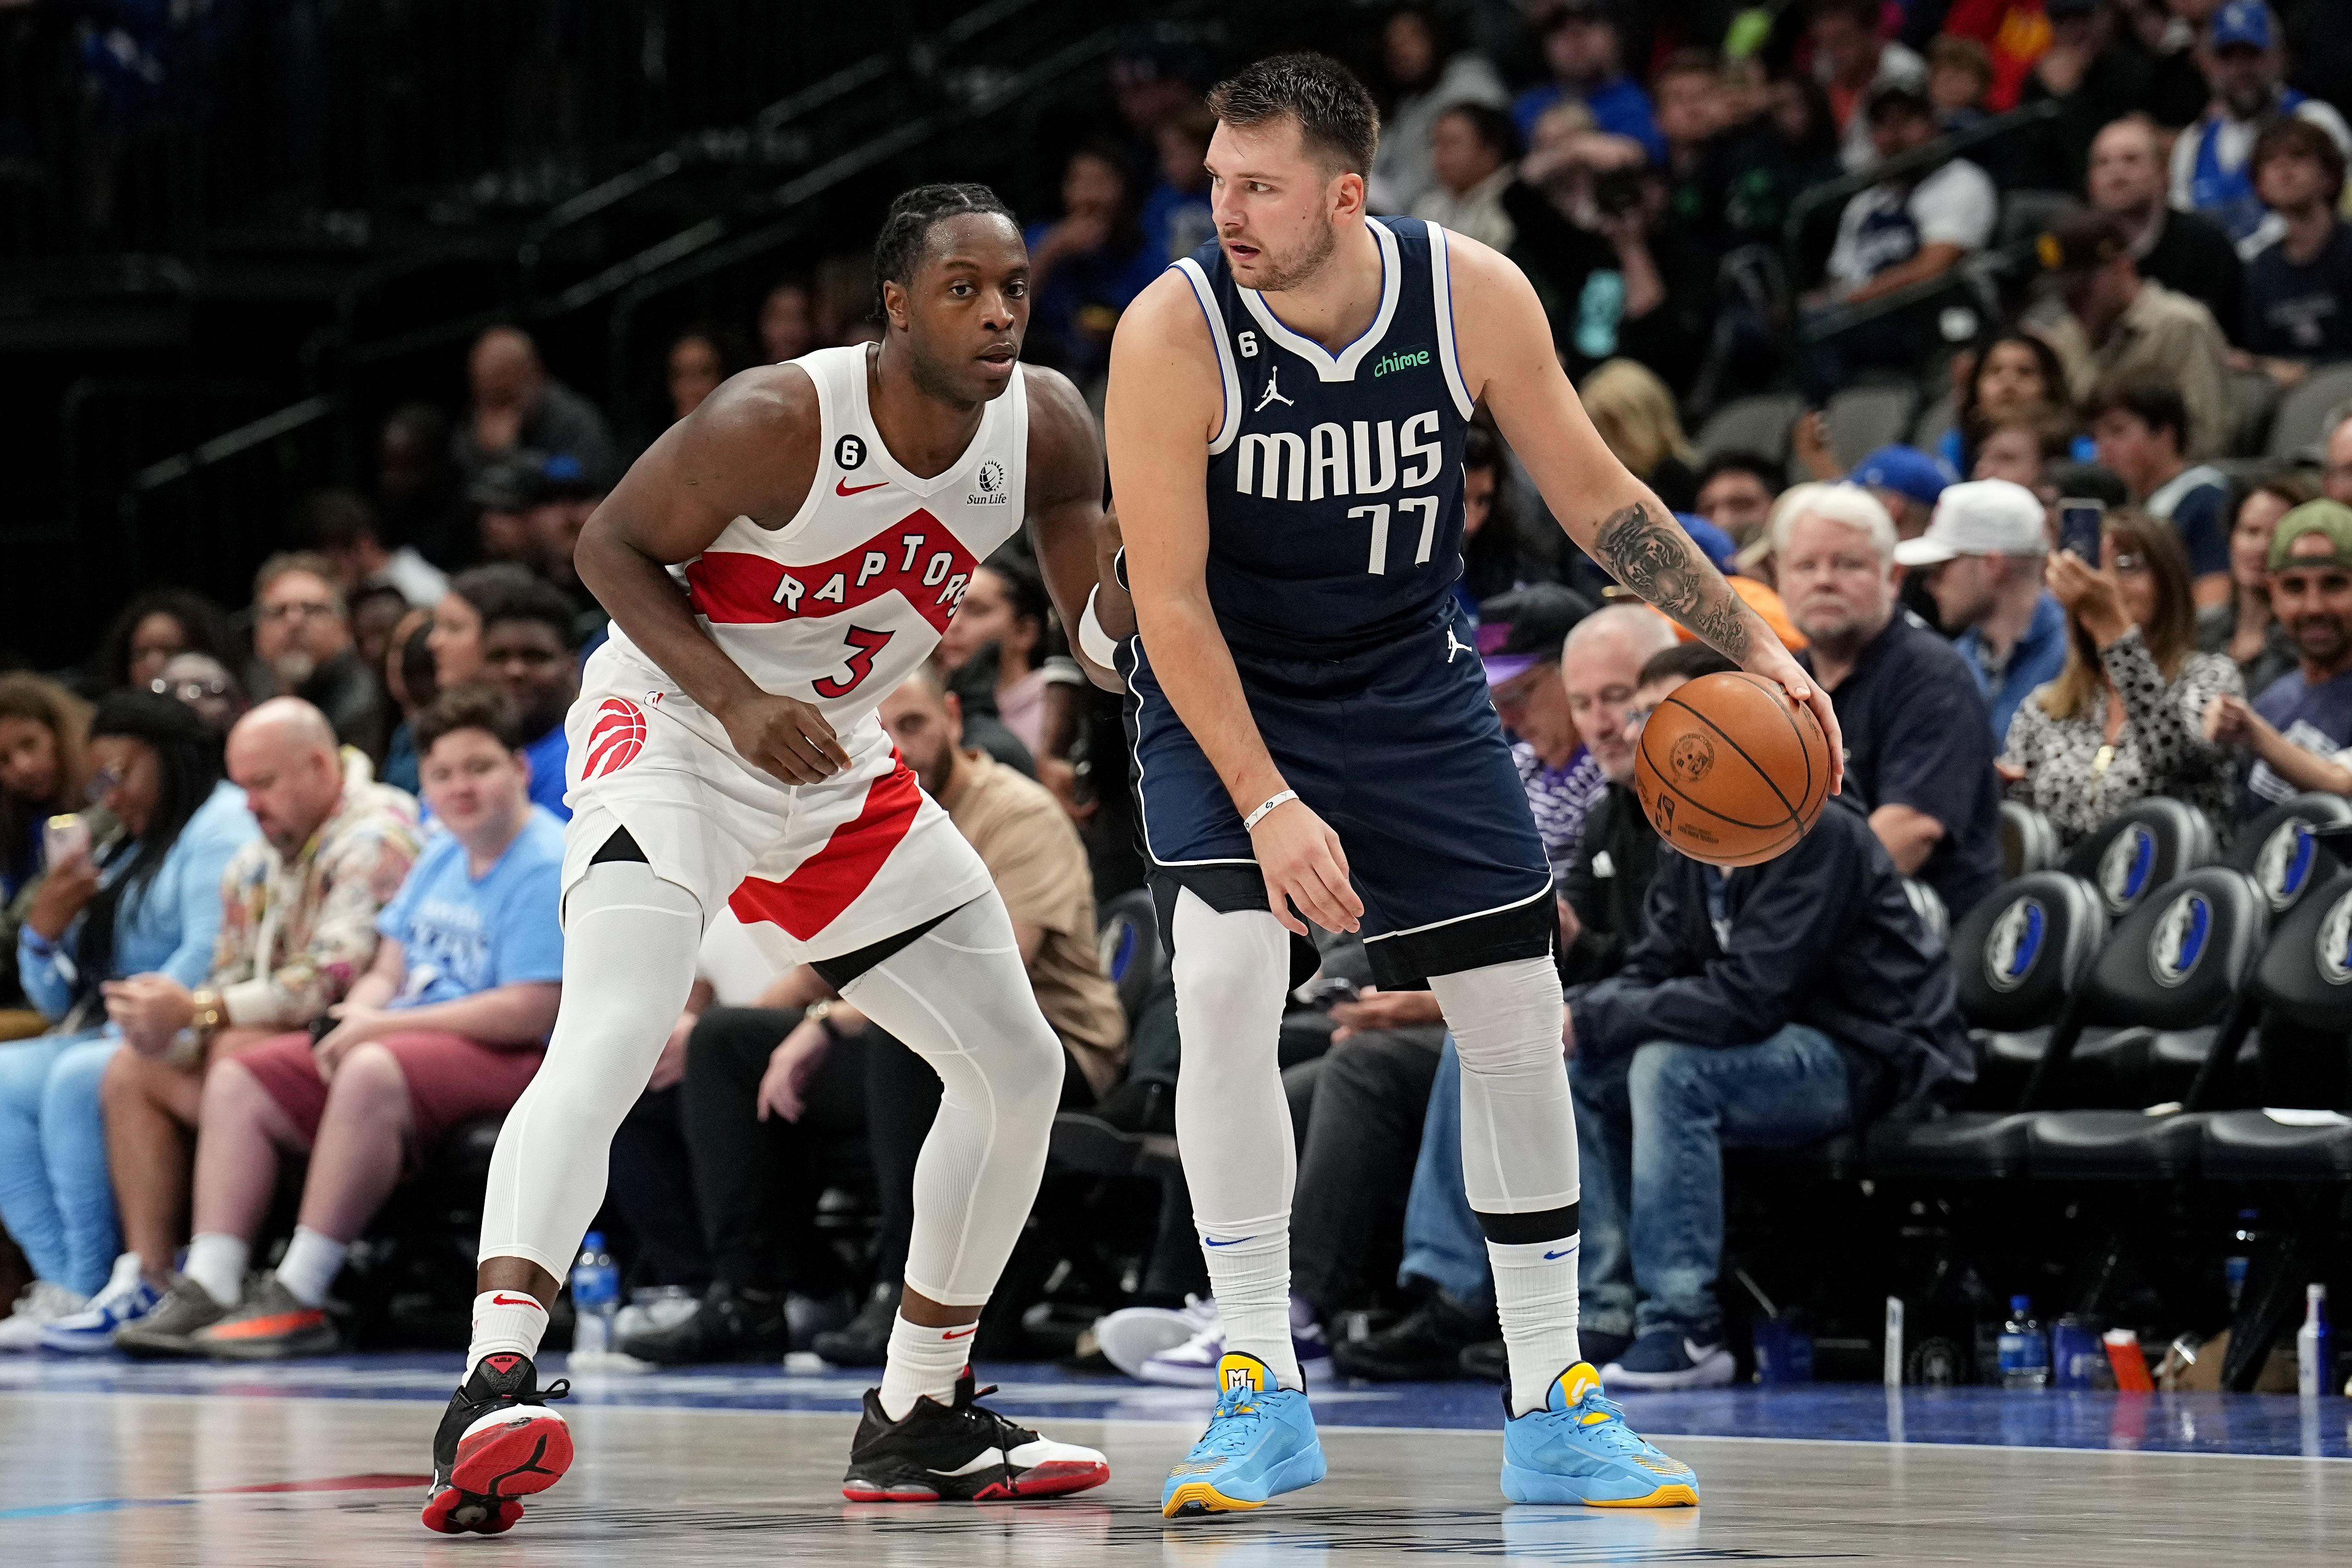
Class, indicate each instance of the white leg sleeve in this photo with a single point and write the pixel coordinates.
(629, 944)
(1233, 1121)
(960, 998)
(1518, 1130)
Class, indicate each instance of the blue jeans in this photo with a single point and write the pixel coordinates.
(55, 1194)
(1651, 1126)
(1443, 1244)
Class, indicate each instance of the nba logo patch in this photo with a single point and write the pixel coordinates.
(615, 739)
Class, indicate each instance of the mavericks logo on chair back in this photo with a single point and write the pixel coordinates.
(2016, 942)
(2336, 944)
(2180, 939)
(2283, 870)
(2125, 866)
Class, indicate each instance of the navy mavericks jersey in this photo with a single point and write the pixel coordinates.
(1335, 481)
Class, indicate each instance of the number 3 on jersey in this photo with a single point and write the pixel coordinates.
(862, 646)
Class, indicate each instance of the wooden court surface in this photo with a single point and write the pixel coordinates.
(161, 1481)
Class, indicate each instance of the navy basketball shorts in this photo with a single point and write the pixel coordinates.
(1397, 748)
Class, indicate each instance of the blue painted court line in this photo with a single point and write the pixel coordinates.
(103, 1505)
(2217, 1424)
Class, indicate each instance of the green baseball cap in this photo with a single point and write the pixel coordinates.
(2331, 518)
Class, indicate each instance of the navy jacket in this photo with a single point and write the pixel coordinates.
(1823, 935)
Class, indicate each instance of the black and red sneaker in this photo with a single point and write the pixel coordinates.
(961, 1452)
(498, 1443)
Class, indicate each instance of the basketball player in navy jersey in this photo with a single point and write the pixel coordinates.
(1314, 740)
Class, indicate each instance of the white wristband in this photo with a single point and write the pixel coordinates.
(1093, 641)
(1255, 817)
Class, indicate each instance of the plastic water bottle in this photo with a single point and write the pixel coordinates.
(2315, 1346)
(596, 1297)
(2024, 1348)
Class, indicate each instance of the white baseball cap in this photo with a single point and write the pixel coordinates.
(1979, 517)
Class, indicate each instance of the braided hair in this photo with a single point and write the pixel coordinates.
(188, 755)
(898, 248)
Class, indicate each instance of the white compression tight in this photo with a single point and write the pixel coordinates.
(1519, 1158)
(1232, 1122)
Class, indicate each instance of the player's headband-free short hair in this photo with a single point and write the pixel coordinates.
(898, 246)
(1337, 118)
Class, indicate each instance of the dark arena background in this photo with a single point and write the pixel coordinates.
(1998, 351)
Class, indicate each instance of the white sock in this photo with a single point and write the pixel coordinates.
(1534, 1295)
(310, 1265)
(923, 1361)
(505, 1322)
(1250, 1273)
(216, 1262)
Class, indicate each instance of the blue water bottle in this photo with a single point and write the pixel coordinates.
(596, 1296)
(2024, 1348)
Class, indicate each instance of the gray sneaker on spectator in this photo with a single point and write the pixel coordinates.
(41, 1304)
(185, 1308)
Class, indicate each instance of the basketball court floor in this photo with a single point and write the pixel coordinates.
(322, 1464)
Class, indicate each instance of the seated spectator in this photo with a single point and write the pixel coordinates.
(531, 651)
(1779, 154)
(1634, 412)
(500, 496)
(154, 627)
(2120, 325)
(1904, 231)
(2336, 461)
(1773, 1004)
(1521, 635)
(692, 369)
(1694, 104)
(1005, 608)
(517, 406)
(2187, 252)
(1919, 736)
(340, 526)
(1908, 483)
(1428, 76)
(760, 1080)
(449, 1024)
(302, 648)
(1735, 493)
(2245, 70)
(1495, 557)
(456, 635)
(44, 773)
(1090, 264)
(2095, 71)
(2022, 448)
(1983, 558)
(2014, 375)
(408, 682)
(207, 685)
(2142, 427)
(296, 911)
(142, 905)
(1176, 220)
(1473, 151)
(1582, 51)
(2298, 286)
(1601, 672)
(2126, 719)
(419, 499)
(787, 324)
(2309, 709)
(560, 495)
(1852, 62)
(1960, 82)
(376, 611)
(2242, 625)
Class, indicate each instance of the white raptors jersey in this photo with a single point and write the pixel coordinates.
(843, 603)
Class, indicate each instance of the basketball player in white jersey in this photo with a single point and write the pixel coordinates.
(775, 564)
(1310, 744)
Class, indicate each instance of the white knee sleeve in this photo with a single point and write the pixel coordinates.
(1518, 1130)
(961, 999)
(629, 944)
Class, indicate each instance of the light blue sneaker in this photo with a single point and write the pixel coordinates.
(126, 1299)
(1578, 1449)
(1260, 1443)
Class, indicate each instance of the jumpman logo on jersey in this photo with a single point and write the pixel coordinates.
(1272, 391)
(1455, 645)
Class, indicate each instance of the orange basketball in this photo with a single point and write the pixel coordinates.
(1730, 771)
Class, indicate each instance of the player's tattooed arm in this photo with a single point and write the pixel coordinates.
(1653, 555)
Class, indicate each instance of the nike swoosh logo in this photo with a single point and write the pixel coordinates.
(844, 487)
(962, 1334)
(1212, 1241)
(1555, 1256)
(987, 1459)
(515, 1301)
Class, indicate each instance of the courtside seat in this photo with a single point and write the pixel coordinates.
(2289, 850)
(2028, 841)
(1127, 943)
(2304, 979)
(2017, 958)
(2140, 851)
(2256, 1146)
(2183, 957)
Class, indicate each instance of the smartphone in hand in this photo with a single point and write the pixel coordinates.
(63, 838)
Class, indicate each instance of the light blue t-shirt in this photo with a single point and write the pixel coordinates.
(463, 936)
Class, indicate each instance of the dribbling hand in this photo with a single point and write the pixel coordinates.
(785, 736)
(1303, 865)
(1774, 664)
